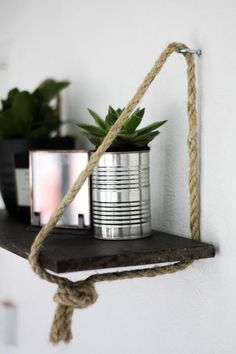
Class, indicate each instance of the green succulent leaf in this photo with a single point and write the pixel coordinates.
(134, 121)
(111, 117)
(95, 140)
(150, 127)
(119, 111)
(92, 129)
(145, 139)
(111, 110)
(100, 122)
(126, 136)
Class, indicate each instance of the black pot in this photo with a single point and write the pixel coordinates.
(9, 147)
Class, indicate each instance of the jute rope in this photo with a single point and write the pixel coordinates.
(80, 294)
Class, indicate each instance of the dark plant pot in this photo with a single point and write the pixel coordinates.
(9, 147)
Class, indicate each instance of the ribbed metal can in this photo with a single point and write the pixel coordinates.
(121, 196)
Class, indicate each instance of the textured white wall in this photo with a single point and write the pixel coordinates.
(105, 48)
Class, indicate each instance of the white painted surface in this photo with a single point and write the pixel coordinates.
(105, 48)
(8, 324)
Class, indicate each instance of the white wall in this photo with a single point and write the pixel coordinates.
(105, 48)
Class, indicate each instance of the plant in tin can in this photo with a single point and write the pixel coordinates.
(129, 138)
(120, 181)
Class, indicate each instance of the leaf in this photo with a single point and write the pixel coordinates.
(111, 117)
(50, 88)
(150, 127)
(145, 139)
(111, 110)
(92, 129)
(50, 118)
(12, 93)
(95, 140)
(100, 122)
(118, 144)
(22, 111)
(126, 137)
(7, 103)
(134, 121)
(119, 111)
(146, 136)
(121, 145)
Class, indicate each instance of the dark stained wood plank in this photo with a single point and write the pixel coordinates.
(72, 250)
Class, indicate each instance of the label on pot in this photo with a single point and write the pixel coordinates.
(23, 186)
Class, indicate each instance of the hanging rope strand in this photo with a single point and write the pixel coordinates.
(81, 294)
(193, 151)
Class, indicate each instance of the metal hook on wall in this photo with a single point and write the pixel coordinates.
(191, 51)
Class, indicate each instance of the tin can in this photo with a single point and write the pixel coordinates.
(121, 196)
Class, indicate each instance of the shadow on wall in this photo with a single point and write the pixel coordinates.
(174, 191)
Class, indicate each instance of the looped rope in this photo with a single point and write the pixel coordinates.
(77, 295)
(69, 297)
(81, 294)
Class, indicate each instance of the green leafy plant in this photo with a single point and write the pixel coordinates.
(129, 138)
(30, 115)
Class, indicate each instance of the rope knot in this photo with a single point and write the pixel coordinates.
(76, 295)
(69, 297)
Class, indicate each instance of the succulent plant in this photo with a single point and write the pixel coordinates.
(30, 115)
(129, 138)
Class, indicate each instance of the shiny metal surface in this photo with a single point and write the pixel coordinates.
(121, 196)
(52, 173)
(191, 51)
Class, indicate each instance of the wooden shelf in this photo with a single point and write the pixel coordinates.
(72, 250)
